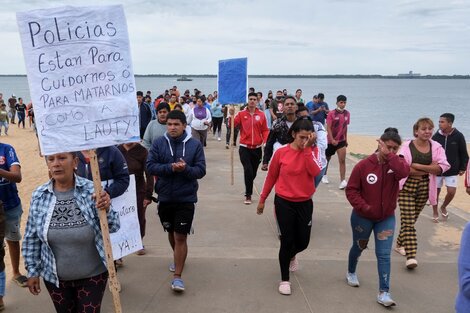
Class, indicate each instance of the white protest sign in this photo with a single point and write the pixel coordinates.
(80, 77)
(127, 239)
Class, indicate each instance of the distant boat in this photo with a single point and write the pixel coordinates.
(184, 79)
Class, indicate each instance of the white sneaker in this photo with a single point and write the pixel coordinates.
(218, 138)
(352, 280)
(343, 184)
(385, 299)
(411, 263)
(293, 265)
(284, 288)
(325, 180)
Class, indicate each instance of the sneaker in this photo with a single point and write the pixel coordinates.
(385, 299)
(218, 138)
(411, 263)
(343, 184)
(177, 285)
(284, 288)
(226, 146)
(247, 200)
(294, 265)
(400, 250)
(172, 267)
(325, 180)
(352, 279)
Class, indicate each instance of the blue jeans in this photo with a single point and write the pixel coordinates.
(267, 113)
(383, 233)
(4, 125)
(2, 282)
(319, 177)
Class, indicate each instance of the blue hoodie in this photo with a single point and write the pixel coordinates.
(113, 170)
(462, 303)
(173, 186)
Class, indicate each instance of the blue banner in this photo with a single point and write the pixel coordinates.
(232, 81)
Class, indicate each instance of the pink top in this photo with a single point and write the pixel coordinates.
(438, 155)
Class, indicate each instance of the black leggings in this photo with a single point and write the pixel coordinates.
(250, 158)
(217, 125)
(295, 224)
(81, 295)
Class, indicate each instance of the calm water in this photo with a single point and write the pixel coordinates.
(374, 103)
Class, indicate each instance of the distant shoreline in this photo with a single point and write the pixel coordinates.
(295, 76)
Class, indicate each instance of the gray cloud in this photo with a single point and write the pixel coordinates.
(324, 36)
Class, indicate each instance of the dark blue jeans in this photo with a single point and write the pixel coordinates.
(383, 234)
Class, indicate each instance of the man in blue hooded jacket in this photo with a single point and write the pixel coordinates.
(178, 162)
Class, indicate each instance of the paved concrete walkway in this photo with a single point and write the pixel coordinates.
(232, 264)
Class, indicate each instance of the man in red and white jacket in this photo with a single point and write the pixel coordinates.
(254, 132)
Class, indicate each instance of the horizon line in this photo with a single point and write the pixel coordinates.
(291, 75)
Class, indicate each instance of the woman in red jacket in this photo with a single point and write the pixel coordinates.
(293, 169)
(372, 191)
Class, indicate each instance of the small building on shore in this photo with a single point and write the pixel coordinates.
(410, 74)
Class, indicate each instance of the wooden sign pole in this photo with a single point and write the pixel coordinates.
(231, 142)
(114, 285)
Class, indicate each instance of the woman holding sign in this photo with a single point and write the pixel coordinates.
(63, 243)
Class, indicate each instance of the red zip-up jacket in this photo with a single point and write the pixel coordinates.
(373, 188)
(254, 129)
(293, 172)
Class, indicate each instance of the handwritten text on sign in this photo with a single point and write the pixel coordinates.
(80, 77)
(127, 240)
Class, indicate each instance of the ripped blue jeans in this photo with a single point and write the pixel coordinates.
(383, 234)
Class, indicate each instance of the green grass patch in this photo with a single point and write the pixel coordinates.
(359, 156)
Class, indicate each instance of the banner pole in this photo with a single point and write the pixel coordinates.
(232, 137)
(114, 285)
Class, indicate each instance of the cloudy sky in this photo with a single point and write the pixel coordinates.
(279, 37)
